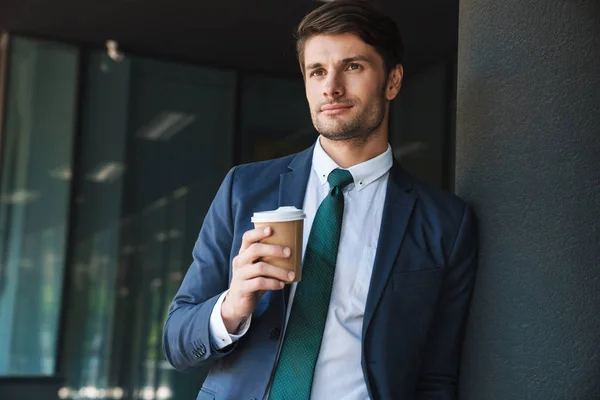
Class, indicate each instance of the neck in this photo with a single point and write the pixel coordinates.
(347, 153)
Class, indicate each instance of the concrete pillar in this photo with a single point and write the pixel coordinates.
(528, 158)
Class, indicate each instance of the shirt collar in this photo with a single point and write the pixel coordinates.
(364, 173)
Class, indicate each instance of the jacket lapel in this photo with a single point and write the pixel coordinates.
(292, 189)
(397, 209)
(292, 184)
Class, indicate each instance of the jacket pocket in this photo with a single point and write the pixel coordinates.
(206, 394)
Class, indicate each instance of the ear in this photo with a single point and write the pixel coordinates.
(394, 82)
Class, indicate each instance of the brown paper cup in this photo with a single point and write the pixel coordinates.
(284, 233)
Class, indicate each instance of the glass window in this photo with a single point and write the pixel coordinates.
(420, 123)
(34, 200)
(275, 119)
(157, 141)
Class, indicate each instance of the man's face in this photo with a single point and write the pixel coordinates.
(345, 86)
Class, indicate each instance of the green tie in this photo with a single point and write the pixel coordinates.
(304, 332)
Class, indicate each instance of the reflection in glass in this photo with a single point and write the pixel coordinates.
(156, 143)
(275, 118)
(419, 124)
(34, 201)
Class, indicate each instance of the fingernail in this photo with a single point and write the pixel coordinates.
(281, 284)
(266, 230)
(291, 276)
(287, 251)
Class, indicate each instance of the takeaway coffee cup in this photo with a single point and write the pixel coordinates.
(287, 224)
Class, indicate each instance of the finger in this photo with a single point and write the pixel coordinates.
(262, 283)
(258, 250)
(253, 236)
(265, 270)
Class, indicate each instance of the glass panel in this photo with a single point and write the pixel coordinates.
(157, 142)
(419, 124)
(275, 118)
(93, 291)
(179, 149)
(34, 198)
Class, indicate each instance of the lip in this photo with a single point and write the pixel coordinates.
(335, 108)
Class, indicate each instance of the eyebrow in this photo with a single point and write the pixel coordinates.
(344, 61)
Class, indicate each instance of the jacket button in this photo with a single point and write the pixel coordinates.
(274, 333)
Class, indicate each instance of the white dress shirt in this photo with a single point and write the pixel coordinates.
(338, 373)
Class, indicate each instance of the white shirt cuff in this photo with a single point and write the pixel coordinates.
(218, 333)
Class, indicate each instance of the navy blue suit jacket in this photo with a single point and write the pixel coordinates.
(416, 306)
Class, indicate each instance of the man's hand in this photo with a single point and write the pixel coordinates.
(251, 278)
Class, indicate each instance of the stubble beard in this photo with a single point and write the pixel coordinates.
(359, 129)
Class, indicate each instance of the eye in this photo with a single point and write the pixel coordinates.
(317, 72)
(354, 67)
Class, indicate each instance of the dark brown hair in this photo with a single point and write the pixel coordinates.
(358, 17)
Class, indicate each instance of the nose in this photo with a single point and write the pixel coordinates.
(333, 86)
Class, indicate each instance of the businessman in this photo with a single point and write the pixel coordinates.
(388, 262)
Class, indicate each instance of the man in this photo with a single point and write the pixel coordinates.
(378, 316)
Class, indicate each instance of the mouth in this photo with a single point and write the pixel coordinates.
(334, 109)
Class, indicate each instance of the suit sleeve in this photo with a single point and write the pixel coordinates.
(186, 341)
(438, 373)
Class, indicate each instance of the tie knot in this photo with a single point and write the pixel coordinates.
(340, 178)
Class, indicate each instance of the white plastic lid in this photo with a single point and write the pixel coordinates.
(282, 214)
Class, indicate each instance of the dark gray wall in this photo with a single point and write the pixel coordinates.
(528, 157)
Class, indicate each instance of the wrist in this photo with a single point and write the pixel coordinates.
(231, 321)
